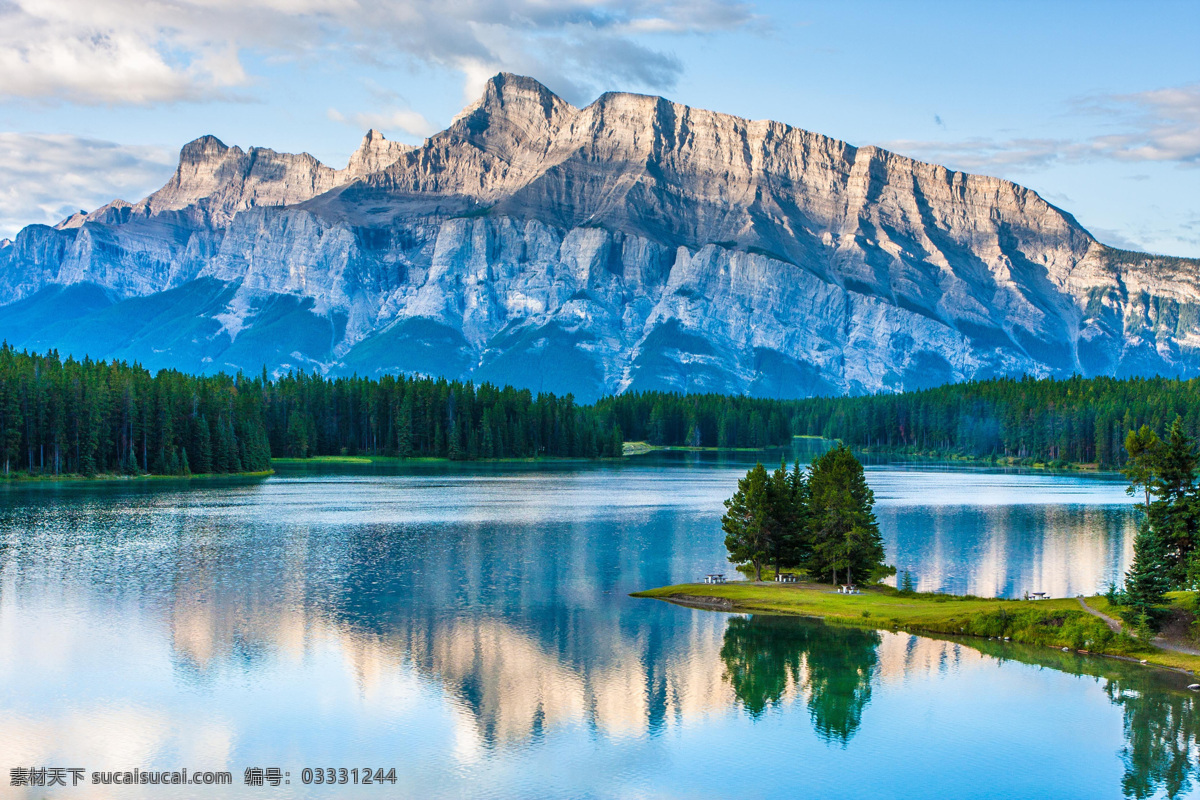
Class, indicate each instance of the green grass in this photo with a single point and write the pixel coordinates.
(334, 460)
(1052, 623)
(104, 477)
(638, 448)
(396, 460)
(942, 456)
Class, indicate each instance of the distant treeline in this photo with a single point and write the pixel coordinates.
(88, 417)
(397, 416)
(1081, 420)
(91, 417)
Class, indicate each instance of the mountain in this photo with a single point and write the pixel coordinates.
(632, 244)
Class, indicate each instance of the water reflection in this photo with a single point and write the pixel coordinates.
(1162, 735)
(1062, 550)
(767, 657)
(481, 629)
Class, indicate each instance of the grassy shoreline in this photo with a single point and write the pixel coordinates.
(25, 478)
(397, 460)
(641, 448)
(1060, 623)
(959, 460)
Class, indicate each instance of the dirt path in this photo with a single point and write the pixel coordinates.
(1160, 642)
(1112, 624)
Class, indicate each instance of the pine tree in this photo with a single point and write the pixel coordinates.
(745, 522)
(404, 439)
(297, 435)
(203, 440)
(1148, 578)
(616, 442)
(843, 532)
(786, 518)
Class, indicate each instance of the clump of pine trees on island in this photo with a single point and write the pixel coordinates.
(820, 520)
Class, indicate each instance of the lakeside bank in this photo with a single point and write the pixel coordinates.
(21, 478)
(1058, 623)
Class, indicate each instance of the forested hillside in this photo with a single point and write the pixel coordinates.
(93, 417)
(86, 417)
(1080, 420)
(398, 416)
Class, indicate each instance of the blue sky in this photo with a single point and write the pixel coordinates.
(1096, 105)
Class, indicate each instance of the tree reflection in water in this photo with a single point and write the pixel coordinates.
(832, 667)
(1162, 739)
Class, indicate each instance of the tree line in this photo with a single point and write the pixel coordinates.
(67, 416)
(311, 415)
(1080, 420)
(1076, 420)
(87, 417)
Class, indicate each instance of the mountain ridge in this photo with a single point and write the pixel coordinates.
(631, 243)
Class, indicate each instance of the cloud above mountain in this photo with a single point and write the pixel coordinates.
(130, 52)
(40, 170)
(1156, 125)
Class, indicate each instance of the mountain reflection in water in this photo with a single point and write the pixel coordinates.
(474, 630)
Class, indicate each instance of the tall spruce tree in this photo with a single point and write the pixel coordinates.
(746, 522)
(1142, 447)
(1148, 579)
(1174, 514)
(843, 532)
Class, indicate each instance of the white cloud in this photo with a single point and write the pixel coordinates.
(985, 155)
(153, 51)
(1158, 125)
(1164, 125)
(1117, 239)
(39, 170)
(388, 121)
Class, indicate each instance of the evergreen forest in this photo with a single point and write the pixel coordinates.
(66, 416)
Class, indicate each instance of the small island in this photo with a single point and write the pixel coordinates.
(791, 530)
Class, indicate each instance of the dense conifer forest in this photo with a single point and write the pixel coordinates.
(1076, 420)
(1079, 420)
(86, 417)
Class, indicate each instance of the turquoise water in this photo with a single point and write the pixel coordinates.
(471, 629)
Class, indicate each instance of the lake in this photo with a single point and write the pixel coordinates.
(469, 626)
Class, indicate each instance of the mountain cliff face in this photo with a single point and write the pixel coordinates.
(634, 243)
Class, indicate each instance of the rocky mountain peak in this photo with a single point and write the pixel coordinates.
(516, 95)
(514, 112)
(203, 149)
(633, 243)
(374, 154)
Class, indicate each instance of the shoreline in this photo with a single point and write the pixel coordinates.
(24, 479)
(289, 461)
(1040, 623)
(888, 455)
(1005, 462)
